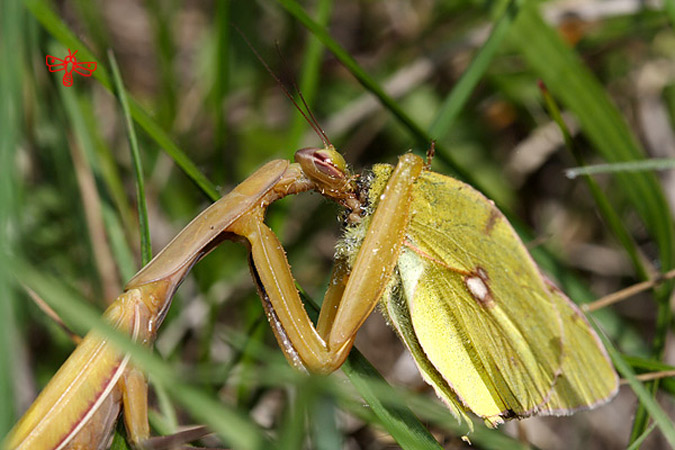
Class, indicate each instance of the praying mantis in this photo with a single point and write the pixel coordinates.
(382, 257)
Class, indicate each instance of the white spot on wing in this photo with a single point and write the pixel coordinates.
(478, 285)
(477, 288)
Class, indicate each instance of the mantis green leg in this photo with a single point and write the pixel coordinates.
(351, 296)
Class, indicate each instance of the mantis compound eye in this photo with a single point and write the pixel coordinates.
(323, 165)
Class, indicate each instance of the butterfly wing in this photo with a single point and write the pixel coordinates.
(587, 378)
(492, 332)
(86, 69)
(55, 64)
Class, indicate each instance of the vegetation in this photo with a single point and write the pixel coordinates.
(382, 78)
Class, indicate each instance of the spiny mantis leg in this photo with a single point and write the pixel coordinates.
(358, 291)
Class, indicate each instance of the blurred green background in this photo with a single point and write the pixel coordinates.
(382, 78)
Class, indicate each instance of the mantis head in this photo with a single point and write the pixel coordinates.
(327, 170)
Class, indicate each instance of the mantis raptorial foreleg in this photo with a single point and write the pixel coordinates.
(351, 297)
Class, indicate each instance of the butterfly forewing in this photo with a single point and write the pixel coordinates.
(588, 378)
(484, 326)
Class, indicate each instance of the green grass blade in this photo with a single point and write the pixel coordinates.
(643, 365)
(350, 63)
(642, 392)
(640, 440)
(323, 426)
(422, 139)
(124, 257)
(87, 170)
(11, 48)
(648, 165)
(401, 423)
(161, 15)
(602, 202)
(398, 420)
(144, 227)
(119, 442)
(461, 92)
(107, 171)
(670, 10)
(180, 157)
(293, 425)
(8, 335)
(221, 83)
(571, 82)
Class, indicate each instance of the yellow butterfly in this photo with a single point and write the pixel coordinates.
(487, 330)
